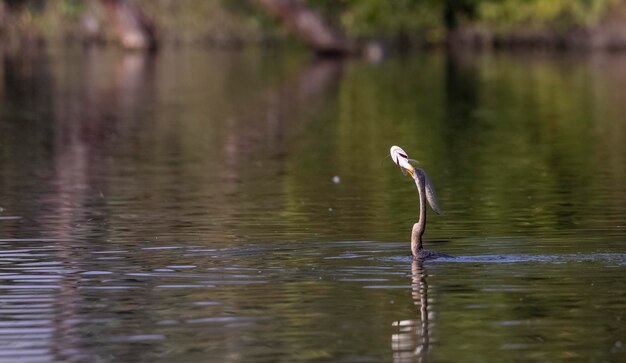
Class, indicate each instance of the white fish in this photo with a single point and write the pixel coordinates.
(401, 159)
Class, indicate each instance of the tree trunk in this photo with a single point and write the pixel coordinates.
(309, 26)
(134, 29)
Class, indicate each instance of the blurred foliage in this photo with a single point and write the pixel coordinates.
(556, 14)
(415, 19)
(397, 18)
(376, 18)
(236, 21)
(220, 22)
(36, 19)
(223, 22)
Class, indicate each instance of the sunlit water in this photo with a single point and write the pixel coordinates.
(235, 207)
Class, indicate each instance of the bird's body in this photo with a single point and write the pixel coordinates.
(426, 192)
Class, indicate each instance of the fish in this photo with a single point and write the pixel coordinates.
(401, 159)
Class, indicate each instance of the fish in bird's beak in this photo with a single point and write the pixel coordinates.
(401, 159)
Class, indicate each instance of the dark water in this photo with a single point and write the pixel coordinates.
(183, 208)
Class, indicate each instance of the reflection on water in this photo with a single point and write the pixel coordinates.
(412, 341)
(185, 207)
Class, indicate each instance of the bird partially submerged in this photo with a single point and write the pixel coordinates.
(426, 191)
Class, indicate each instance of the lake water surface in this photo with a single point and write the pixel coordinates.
(204, 206)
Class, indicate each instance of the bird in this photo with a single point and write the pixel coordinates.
(426, 192)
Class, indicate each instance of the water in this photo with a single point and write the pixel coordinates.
(234, 207)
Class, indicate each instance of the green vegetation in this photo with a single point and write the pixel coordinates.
(242, 21)
(428, 20)
(563, 14)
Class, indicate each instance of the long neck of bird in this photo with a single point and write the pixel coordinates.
(420, 226)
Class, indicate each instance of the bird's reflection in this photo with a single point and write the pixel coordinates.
(410, 342)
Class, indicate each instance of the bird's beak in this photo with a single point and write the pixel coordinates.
(411, 173)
